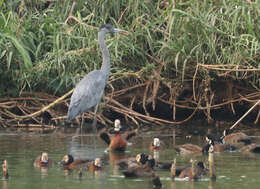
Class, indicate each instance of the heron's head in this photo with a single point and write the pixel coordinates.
(156, 142)
(98, 162)
(44, 157)
(67, 159)
(117, 125)
(107, 28)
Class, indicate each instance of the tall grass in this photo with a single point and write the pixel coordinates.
(40, 52)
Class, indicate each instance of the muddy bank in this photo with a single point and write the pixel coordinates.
(216, 103)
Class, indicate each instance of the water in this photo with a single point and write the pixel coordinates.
(233, 169)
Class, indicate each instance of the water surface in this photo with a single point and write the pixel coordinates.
(233, 169)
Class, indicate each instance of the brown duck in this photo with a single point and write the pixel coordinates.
(5, 170)
(195, 172)
(43, 160)
(156, 145)
(236, 139)
(254, 148)
(117, 141)
(218, 147)
(95, 165)
(68, 162)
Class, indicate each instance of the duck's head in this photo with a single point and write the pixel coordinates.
(210, 139)
(98, 162)
(141, 158)
(44, 157)
(156, 142)
(67, 159)
(226, 132)
(117, 125)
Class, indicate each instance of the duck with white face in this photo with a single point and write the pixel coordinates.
(5, 170)
(43, 160)
(68, 162)
(95, 165)
(117, 141)
(156, 144)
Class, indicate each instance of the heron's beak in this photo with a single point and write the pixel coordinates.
(117, 30)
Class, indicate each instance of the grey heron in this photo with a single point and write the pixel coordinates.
(88, 92)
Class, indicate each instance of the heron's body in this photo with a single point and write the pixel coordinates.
(88, 92)
(83, 97)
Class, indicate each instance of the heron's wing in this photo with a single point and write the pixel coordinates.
(87, 93)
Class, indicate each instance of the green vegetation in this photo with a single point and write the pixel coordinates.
(41, 51)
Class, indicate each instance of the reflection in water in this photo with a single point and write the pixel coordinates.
(43, 171)
(4, 184)
(211, 184)
(156, 155)
(114, 157)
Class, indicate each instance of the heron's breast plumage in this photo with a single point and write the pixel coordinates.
(87, 93)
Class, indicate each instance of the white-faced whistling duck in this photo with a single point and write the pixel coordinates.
(156, 144)
(5, 170)
(68, 162)
(116, 141)
(218, 147)
(95, 165)
(43, 160)
(236, 139)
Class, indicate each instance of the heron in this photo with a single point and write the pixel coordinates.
(89, 91)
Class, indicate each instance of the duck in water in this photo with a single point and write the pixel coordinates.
(218, 147)
(156, 144)
(95, 165)
(117, 141)
(68, 162)
(237, 139)
(5, 170)
(43, 161)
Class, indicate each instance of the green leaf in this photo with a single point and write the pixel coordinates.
(21, 50)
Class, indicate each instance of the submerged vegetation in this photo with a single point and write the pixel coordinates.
(179, 54)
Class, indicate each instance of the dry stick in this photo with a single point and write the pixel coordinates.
(71, 11)
(44, 108)
(123, 13)
(203, 108)
(193, 82)
(132, 112)
(123, 91)
(245, 114)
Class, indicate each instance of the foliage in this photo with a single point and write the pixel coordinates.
(41, 51)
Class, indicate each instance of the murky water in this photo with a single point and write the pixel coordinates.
(233, 169)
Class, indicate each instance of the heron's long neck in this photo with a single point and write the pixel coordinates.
(105, 54)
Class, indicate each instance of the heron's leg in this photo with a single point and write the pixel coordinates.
(94, 124)
(82, 122)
